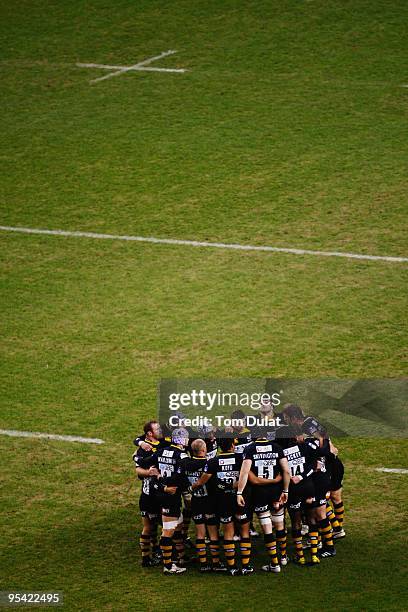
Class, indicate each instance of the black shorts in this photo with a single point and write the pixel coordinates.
(227, 509)
(337, 475)
(170, 504)
(248, 496)
(203, 510)
(263, 496)
(298, 494)
(321, 481)
(211, 517)
(149, 506)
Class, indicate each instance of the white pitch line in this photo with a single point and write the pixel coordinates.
(105, 66)
(37, 434)
(138, 65)
(120, 68)
(195, 243)
(159, 69)
(156, 57)
(392, 470)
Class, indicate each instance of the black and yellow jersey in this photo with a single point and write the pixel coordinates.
(302, 457)
(225, 470)
(242, 439)
(139, 458)
(265, 456)
(169, 460)
(212, 447)
(193, 469)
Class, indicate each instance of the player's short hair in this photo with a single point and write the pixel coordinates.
(259, 432)
(293, 412)
(226, 443)
(198, 445)
(238, 414)
(286, 436)
(149, 425)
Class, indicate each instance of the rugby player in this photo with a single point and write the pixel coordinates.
(225, 469)
(336, 497)
(203, 508)
(266, 411)
(173, 482)
(321, 478)
(265, 459)
(241, 432)
(302, 456)
(148, 502)
(242, 438)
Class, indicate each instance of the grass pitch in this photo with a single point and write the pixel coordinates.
(288, 129)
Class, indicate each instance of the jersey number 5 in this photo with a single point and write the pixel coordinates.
(265, 471)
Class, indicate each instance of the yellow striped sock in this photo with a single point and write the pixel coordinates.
(201, 551)
(339, 511)
(281, 540)
(326, 532)
(215, 551)
(144, 542)
(314, 539)
(270, 544)
(297, 541)
(245, 546)
(229, 552)
(166, 545)
(331, 516)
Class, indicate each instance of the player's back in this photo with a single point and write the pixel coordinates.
(225, 469)
(193, 468)
(301, 458)
(265, 456)
(170, 464)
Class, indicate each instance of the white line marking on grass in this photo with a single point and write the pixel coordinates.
(195, 243)
(121, 68)
(140, 66)
(36, 434)
(159, 69)
(392, 470)
(104, 66)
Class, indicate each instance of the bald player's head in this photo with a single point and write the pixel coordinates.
(199, 448)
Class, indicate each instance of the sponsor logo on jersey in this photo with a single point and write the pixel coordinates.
(264, 449)
(229, 461)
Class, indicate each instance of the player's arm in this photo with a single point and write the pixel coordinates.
(320, 447)
(144, 473)
(333, 449)
(283, 462)
(243, 479)
(298, 478)
(210, 469)
(140, 442)
(255, 480)
(146, 466)
(183, 481)
(204, 478)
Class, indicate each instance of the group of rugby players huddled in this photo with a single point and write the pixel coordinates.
(225, 479)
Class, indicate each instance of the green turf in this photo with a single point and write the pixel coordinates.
(288, 129)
